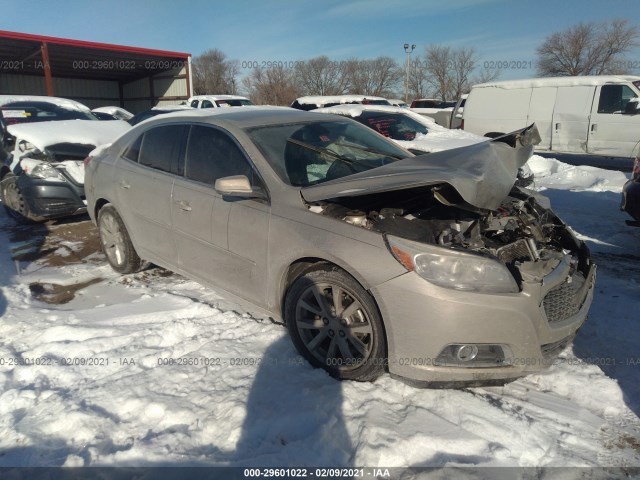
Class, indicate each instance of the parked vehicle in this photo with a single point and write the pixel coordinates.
(44, 143)
(436, 268)
(105, 116)
(416, 133)
(217, 101)
(593, 115)
(455, 121)
(320, 101)
(631, 195)
(395, 102)
(142, 116)
(439, 110)
(117, 113)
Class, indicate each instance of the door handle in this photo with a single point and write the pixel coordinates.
(557, 126)
(182, 205)
(594, 127)
(124, 184)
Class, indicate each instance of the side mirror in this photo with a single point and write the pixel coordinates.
(236, 186)
(631, 108)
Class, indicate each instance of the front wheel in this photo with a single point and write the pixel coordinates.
(334, 323)
(116, 242)
(14, 202)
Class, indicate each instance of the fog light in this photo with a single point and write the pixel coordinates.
(474, 355)
(466, 353)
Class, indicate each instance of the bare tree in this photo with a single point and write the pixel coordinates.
(484, 75)
(322, 76)
(449, 72)
(438, 66)
(377, 77)
(272, 86)
(588, 49)
(214, 74)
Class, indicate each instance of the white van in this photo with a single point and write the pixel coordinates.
(595, 115)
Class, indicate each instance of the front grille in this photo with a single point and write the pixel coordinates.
(54, 206)
(565, 300)
(552, 350)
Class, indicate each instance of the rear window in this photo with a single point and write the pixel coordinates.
(393, 125)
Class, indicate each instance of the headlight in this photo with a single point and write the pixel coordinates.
(44, 171)
(451, 268)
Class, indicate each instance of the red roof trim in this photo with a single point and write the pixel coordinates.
(86, 44)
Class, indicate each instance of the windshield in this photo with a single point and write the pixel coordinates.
(393, 125)
(367, 101)
(28, 112)
(239, 102)
(316, 152)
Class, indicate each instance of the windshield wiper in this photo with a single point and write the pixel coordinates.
(350, 163)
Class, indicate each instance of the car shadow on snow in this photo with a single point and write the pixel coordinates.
(294, 415)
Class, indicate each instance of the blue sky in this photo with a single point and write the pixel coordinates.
(289, 30)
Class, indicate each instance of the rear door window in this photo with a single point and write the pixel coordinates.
(163, 148)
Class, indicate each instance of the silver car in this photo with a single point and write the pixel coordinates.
(434, 268)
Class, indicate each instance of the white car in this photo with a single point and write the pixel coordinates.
(217, 101)
(44, 143)
(118, 113)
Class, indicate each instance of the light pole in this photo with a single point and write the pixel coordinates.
(408, 51)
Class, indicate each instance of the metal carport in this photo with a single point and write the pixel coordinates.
(96, 74)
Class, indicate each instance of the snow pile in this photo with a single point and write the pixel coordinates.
(551, 173)
(440, 138)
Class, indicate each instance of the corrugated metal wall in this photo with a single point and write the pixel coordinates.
(13, 84)
(96, 93)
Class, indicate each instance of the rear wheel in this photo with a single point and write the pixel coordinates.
(334, 323)
(116, 242)
(14, 202)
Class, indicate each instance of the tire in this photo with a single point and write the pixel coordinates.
(344, 337)
(13, 200)
(116, 243)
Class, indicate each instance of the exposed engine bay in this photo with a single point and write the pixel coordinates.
(524, 235)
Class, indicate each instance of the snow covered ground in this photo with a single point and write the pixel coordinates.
(244, 397)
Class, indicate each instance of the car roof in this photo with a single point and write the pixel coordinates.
(217, 97)
(63, 102)
(587, 80)
(355, 110)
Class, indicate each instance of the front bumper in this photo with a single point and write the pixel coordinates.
(52, 199)
(422, 319)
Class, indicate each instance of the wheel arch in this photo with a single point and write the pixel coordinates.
(4, 170)
(101, 202)
(309, 264)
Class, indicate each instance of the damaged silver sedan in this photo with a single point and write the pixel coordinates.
(434, 268)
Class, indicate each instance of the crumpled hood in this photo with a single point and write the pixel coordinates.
(87, 132)
(482, 174)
